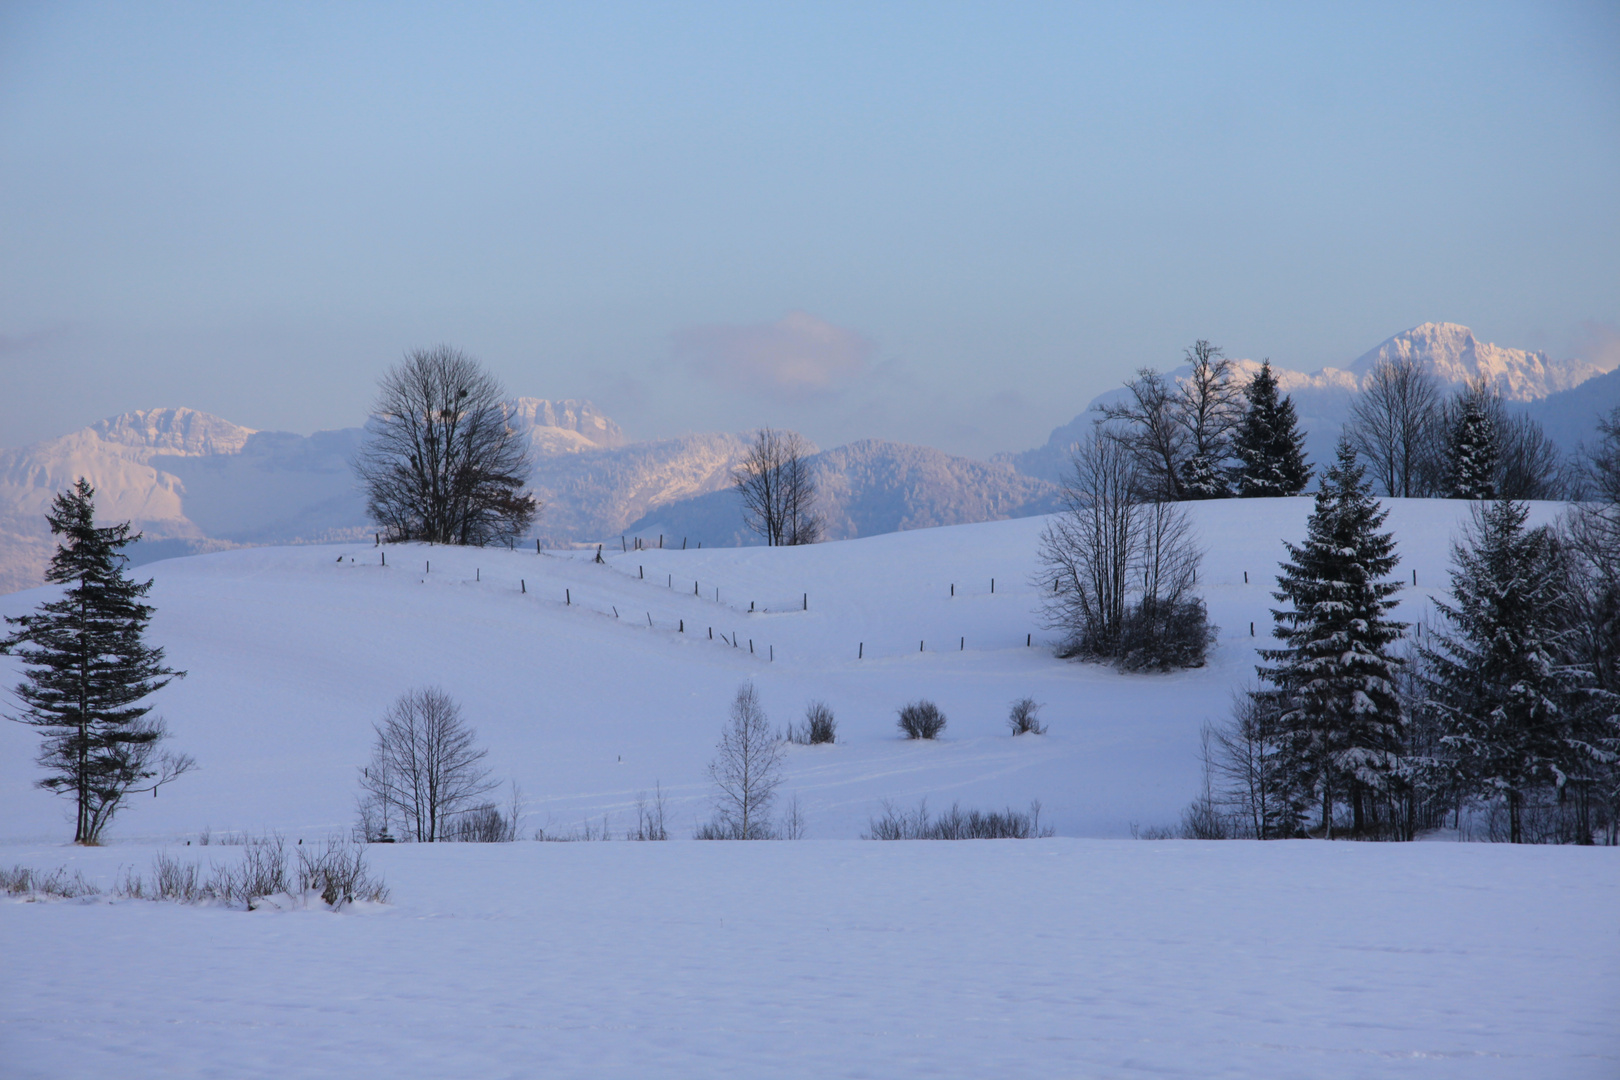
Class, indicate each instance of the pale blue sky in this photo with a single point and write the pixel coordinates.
(949, 224)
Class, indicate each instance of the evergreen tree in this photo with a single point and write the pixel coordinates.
(1509, 702)
(1340, 722)
(1268, 443)
(1203, 478)
(87, 670)
(1473, 449)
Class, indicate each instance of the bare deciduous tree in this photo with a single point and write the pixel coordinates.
(777, 489)
(1147, 426)
(1180, 433)
(746, 770)
(425, 766)
(1209, 408)
(1118, 571)
(1086, 550)
(441, 461)
(1397, 424)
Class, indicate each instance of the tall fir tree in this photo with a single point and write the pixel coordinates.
(1340, 723)
(1509, 702)
(1473, 449)
(1269, 445)
(87, 669)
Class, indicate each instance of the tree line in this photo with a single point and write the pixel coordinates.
(1205, 436)
(1504, 713)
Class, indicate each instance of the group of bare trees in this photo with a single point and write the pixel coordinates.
(1119, 566)
(1420, 443)
(442, 461)
(777, 488)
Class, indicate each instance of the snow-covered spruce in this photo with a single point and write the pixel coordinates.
(1339, 713)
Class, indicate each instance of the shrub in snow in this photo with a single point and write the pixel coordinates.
(818, 727)
(649, 818)
(483, 824)
(922, 720)
(339, 874)
(956, 824)
(24, 881)
(1024, 718)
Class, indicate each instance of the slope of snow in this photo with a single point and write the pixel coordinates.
(293, 654)
(1050, 958)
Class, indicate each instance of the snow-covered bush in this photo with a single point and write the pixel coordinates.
(922, 720)
(1024, 717)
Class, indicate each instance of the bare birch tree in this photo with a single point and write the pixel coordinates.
(425, 766)
(746, 770)
(441, 461)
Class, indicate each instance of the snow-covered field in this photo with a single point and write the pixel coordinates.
(1080, 955)
(847, 958)
(292, 654)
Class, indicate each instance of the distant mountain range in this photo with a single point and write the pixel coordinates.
(867, 487)
(194, 482)
(1532, 381)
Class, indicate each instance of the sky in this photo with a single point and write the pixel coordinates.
(950, 224)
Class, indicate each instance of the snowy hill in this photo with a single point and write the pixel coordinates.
(1322, 398)
(293, 654)
(830, 956)
(868, 487)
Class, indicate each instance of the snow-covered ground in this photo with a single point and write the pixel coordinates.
(1076, 956)
(292, 654)
(843, 958)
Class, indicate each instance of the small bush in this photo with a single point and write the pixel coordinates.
(1201, 820)
(819, 726)
(1165, 637)
(1024, 717)
(649, 818)
(922, 720)
(957, 824)
(171, 880)
(24, 881)
(483, 824)
(339, 874)
(583, 831)
(1154, 832)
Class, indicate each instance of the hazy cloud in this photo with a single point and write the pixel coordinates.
(798, 356)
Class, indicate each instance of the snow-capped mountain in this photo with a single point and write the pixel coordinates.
(1451, 353)
(193, 482)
